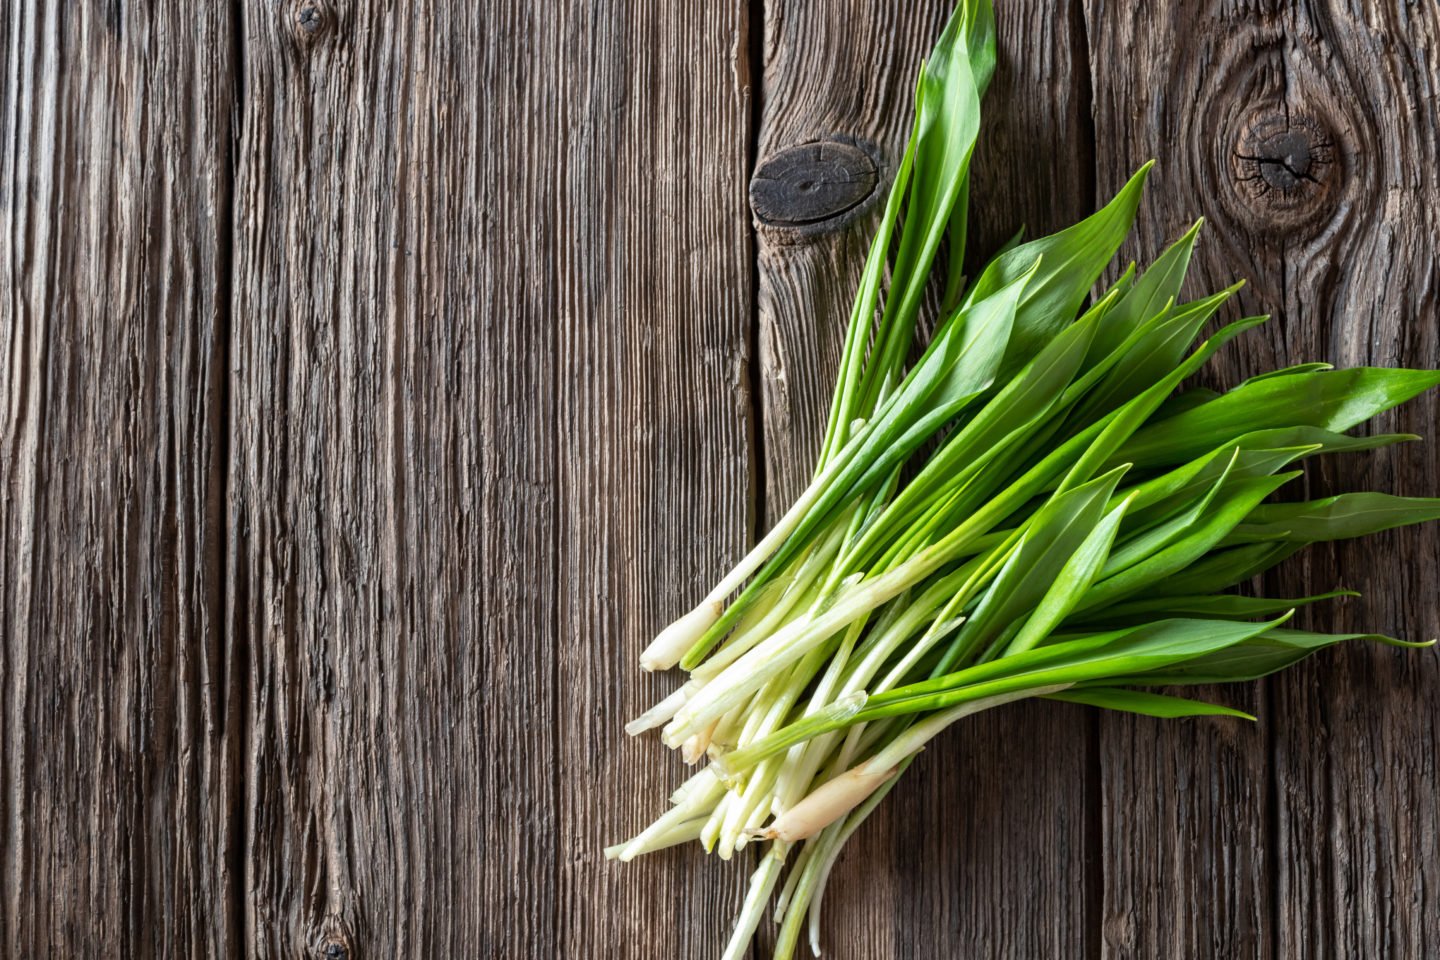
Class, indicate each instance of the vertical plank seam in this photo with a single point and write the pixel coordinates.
(1094, 893)
(558, 513)
(1272, 860)
(234, 689)
(1272, 815)
(30, 411)
(755, 44)
(754, 20)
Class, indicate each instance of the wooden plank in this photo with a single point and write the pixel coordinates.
(116, 772)
(395, 479)
(654, 257)
(491, 420)
(1358, 805)
(1295, 131)
(1186, 804)
(954, 854)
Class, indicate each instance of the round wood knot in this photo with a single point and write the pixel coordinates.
(311, 20)
(1285, 169)
(331, 941)
(813, 183)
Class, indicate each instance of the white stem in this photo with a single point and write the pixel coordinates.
(696, 801)
(778, 535)
(669, 837)
(694, 748)
(837, 797)
(741, 810)
(762, 882)
(831, 845)
(797, 870)
(827, 803)
(662, 711)
(803, 588)
(704, 779)
(785, 646)
(926, 730)
(672, 643)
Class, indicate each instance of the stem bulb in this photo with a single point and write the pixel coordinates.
(828, 803)
(671, 644)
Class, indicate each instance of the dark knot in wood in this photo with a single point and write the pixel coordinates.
(312, 20)
(1284, 168)
(813, 184)
(332, 941)
(1285, 159)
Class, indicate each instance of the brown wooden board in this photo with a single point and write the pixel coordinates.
(394, 505)
(378, 379)
(654, 442)
(1304, 133)
(491, 429)
(116, 773)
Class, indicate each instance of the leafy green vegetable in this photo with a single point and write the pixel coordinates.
(1029, 509)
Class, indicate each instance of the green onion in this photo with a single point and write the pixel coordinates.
(1030, 510)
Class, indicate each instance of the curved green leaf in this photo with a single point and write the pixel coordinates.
(1147, 704)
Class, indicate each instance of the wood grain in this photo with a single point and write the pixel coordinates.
(491, 431)
(953, 855)
(395, 481)
(1358, 795)
(378, 378)
(115, 708)
(1304, 133)
(655, 441)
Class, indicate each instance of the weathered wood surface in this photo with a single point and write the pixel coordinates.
(1306, 135)
(117, 789)
(377, 379)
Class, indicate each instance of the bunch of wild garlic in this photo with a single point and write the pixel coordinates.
(1070, 533)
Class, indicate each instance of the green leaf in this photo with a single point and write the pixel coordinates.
(1148, 542)
(1262, 452)
(1333, 400)
(1231, 507)
(1221, 606)
(1185, 400)
(1120, 653)
(1154, 354)
(1147, 704)
(1116, 654)
(1254, 658)
(1171, 493)
(1050, 539)
(1224, 568)
(955, 369)
(978, 28)
(1073, 260)
(1291, 371)
(1334, 518)
(1122, 424)
(947, 108)
(1324, 441)
(1019, 408)
(1148, 296)
(850, 386)
(955, 253)
(1070, 585)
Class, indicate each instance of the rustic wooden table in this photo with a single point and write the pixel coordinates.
(378, 376)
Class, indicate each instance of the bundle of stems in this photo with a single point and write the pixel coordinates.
(1030, 509)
